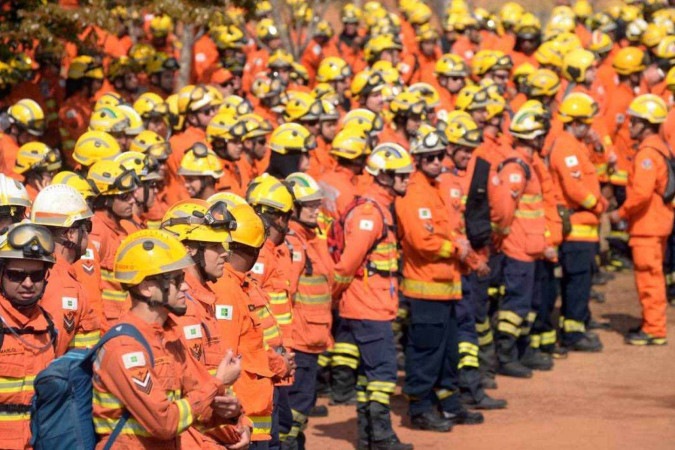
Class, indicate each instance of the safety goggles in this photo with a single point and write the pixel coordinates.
(238, 130)
(503, 63)
(375, 80)
(126, 181)
(217, 216)
(160, 151)
(36, 127)
(50, 161)
(473, 138)
(200, 150)
(170, 63)
(18, 276)
(31, 239)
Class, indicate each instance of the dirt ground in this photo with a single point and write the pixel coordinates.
(622, 398)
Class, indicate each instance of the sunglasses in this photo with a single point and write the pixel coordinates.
(434, 157)
(85, 225)
(125, 197)
(177, 280)
(18, 276)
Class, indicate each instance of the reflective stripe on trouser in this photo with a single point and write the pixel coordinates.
(543, 334)
(302, 394)
(648, 259)
(514, 308)
(344, 362)
(466, 331)
(282, 417)
(576, 260)
(377, 375)
(431, 355)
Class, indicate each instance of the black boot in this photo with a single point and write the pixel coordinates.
(363, 426)
(343, 387)
(472, 392)
(507, 353)
(430, 421)
(535, 359)
(391, 443)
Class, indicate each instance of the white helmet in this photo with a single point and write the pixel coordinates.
(13, 193)
(59, 205)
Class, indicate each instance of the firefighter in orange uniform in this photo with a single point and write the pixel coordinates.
(256, 153)
(26, 124)
(408, 109)
(312, 320)
(224, 134)
(337, 73)
(204, 229)
(112, 206)
(451, 73)
(320, 47)
(432, 286)
(161, 70)
(528, 38)
(366, 286)
(166, 391)
(25, 259)
(37, 163)
(63, 210)
(649, 216)
(575, 178)
(268, 34)
(320, 160)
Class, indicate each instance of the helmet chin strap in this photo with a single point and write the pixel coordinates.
(164, 303)
(201, 264)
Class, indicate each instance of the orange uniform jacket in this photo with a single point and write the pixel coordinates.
(73, 122)
(19, 364)
(205, 55)
(552, 199)
(241, 329)
(430, 270)
(67, 303)
(9, 149)
(164, 400)
(88, 274)
(311, 270)
(179, 144)
(522, 208)
(320, 161)
(339, 188)
(372, 295)
(644, 208)
(232, 180)
(576, 181)
(617, 126)
(106, 236)
(199, 331)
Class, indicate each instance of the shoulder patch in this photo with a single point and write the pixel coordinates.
(317, 50)
(200, 57)
(455, 193)
(424, 213)
(192, 331)
(366, 224)
(515, 178)
(88, 255)
(258, 268)
(133, 359)
(620, 118)
(297, 256)
(571, 161)
(69, 303)
(71, 114)
(224, 312)
(647, 164)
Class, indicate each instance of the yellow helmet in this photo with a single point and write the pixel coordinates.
(229, 37)
(59, 205)
(161, 25)
(582, 9)
(85, 67)
(462, 130)
(635, 30)
(378, 44)
(576, 63)
(602, 22)
(108, 99)
(426, 32)
(159, 62)
(324, 91)
(653, 35)
(496, 103)
(13, 193)
(389, 157)
(510, 13)
(110, 178)
(140, 54)
(268, 193)
(543, 82)
(577, 106)
(451, 65)
(350, 143)
(192, 98)
(250, 230)
(324, 28)
(350, 13)
(229, 198)
(600, 43)
(292, 137)
(200, 161)
(37, 156)
(144, 166)
(27, 240)
(279, 59)
(328, 111)
(176, 118)
(522, 72)
(407, 103)
(220, 127)
(365, 119)
(263, 8)
(630, 13)
(529, 122)
(93, 146)
(200, 221)
(333, 68)
(366, 82)
(148, 253)
(670, 79)
(549, 53)
(109, 119)
(302, 106)
(236, 105)
(135, 125)
(304, 188)
(528, 27)
(266, 30)
(152, 144)
(254, 126)
(264, 86)
(76, 181)
(471, 98)
(428, 139)
(649, 107)
(420, 15)
(28, 115)
(629, 60)
(150, 105)
(665, 50)
(488, 60)
(121, 66)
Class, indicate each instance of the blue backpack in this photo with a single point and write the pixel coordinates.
(61, 411)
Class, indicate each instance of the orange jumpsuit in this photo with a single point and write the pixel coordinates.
(9, 149)
(320, 161)
(67, 303)
(164, 400)
(175, 188)
(232, 180)
(106, 236)
(617, 126)
(311, 269)
(650, 222)
(241, 329)
(88, 274)
(255, 62)
(340, 187)
(199, 332)
(314, 53)
(73, 122)
(205, 55)
(430, 268)
(364, 280)
(20, 362)
(464, 48)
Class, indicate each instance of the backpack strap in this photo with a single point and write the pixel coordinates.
(122, 329)
(520, 162)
